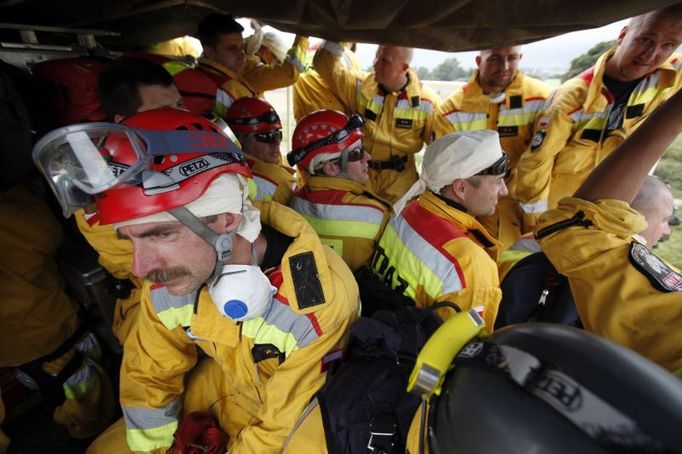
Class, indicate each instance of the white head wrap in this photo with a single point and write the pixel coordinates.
(452, 157)
(273, 42)
(226, 194)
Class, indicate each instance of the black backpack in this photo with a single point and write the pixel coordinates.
(534, 291)
(364, 403)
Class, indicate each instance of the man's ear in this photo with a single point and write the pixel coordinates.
(331, 169)
(621, 35)
(209, 52)
(459, 189)
(227, 222)
(478, 61)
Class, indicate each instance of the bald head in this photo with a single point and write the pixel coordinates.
(391, 64)
(645, 43)
(654, 201)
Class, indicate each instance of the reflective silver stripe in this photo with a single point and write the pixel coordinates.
(281, 327)
(149, 418)
(428, 255)
(424, 105)
(465, 117)
(172, 310)
(580, 116)
(266, 188)
(338, 212)
(333, 47)
(526, 245)
(537, 207)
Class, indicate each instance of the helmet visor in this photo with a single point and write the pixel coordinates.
(77, 161)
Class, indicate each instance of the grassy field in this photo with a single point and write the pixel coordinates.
(670, 170)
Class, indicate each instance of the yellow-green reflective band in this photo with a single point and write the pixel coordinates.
(409, 114)
(79, 390)
(518, 119)
(592, 123)
(343, 228)
(510, 256)
(176, 316)
(149, 439)
(253, 188)
(175, 67)
(263, 333)
(471, 125)
(408, 266)
(335, 244)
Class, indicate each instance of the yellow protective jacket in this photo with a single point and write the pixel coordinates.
(611, 277)
(570, 137)
(116, 256)
(469, 109)
(317, 300)
(433, 252)
(312, 93)
(398, 123)
(256, 77)
(36, 316)
(346, 216)
(275, 182)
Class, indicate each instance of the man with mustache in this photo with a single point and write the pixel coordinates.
(589, 115)
(179, 195)
(499, 97)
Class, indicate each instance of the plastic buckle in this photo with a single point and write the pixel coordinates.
(380, 439)
(398, 162)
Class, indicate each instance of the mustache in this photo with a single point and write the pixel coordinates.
(164, 275)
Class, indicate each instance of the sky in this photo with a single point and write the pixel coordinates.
(549, 54)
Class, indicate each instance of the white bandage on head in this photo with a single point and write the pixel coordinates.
(452, 157)
(273, 42)
(226, 194)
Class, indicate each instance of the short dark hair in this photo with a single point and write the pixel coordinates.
(216, 24)
(119, 84)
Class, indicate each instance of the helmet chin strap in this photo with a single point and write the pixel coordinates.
(222, 243)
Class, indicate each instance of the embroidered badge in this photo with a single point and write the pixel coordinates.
(404, 123)
(656, 270)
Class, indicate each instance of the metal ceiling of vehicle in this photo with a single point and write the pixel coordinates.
(452, 25)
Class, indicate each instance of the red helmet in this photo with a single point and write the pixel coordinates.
(176, 175)
(251, 115)
(323, 132)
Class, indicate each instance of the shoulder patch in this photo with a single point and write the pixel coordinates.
(306, 280)
(656, 270)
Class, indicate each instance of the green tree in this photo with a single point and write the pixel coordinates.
(584, 61)
(449, 69)
(423, 73)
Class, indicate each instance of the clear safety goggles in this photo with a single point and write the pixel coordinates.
(78, 163)
(354, 122)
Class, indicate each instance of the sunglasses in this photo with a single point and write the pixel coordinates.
(354, 122)
(499, 167)
(269, 117)
(356, 154)
(268, 136)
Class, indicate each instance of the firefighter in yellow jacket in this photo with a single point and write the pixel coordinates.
(40, 332)
(499, 97)
(259, 130)
(312, 93)
(589, 115)
(396, 106)
(268, 338)
(237, 76)
(335, 201)
(433, 249)
(622, 290)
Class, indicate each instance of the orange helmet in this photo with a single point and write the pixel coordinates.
(324, 132)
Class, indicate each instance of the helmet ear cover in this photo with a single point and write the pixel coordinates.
(323, 131)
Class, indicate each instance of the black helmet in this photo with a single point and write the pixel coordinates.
(542, 388)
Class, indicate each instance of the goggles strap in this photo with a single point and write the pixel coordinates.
(221, 243)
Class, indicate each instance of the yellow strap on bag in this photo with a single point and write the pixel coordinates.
(437, 354)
